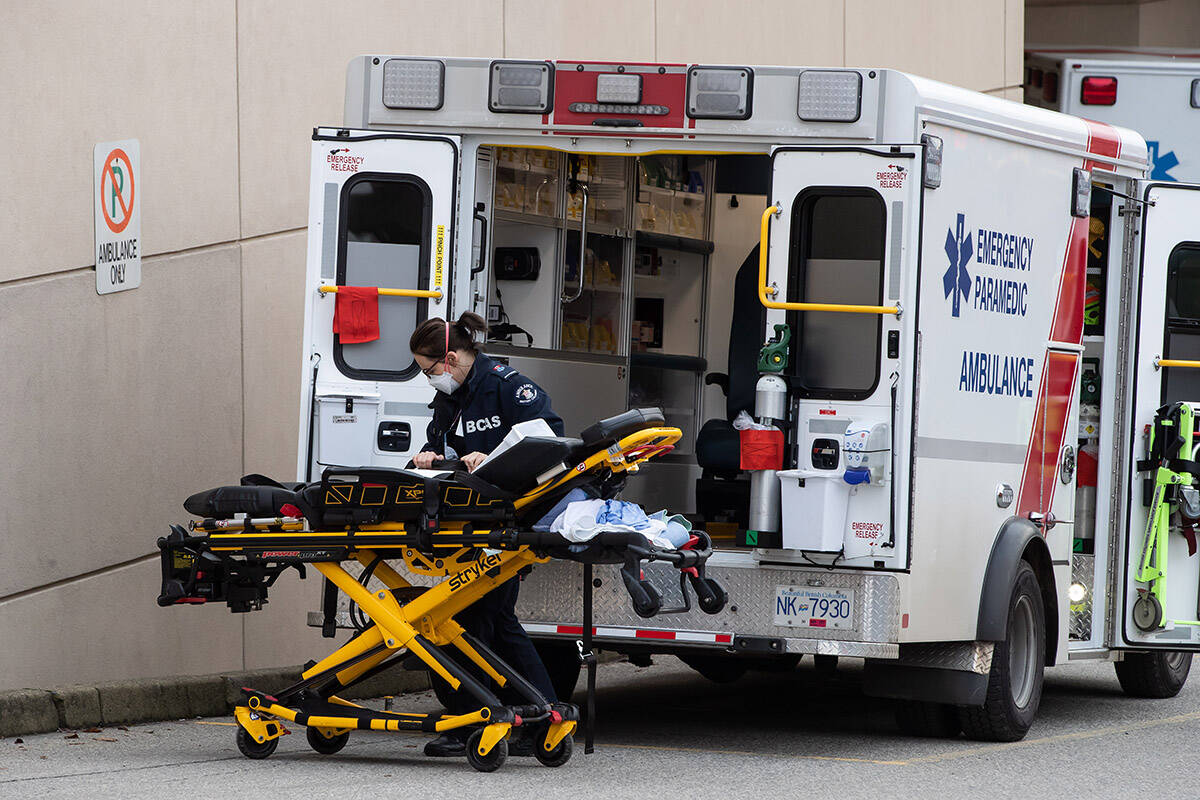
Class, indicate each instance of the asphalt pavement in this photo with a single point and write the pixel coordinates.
(665, 732)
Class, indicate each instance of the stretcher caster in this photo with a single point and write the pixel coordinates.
(494, 758)
(557, 756)
(326, 745)
(1147, 612)
(252, 749)
(710, 594)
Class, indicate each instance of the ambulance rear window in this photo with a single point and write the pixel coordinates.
(836, 257)
(1183, 284)
(384, 238)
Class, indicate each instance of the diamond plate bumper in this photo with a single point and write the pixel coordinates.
(553, 595)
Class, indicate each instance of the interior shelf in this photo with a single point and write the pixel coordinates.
(667, 241)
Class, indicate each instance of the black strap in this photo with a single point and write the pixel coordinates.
(589, 659)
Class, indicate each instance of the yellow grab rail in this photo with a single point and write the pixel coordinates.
(1174, 362)
(766, 292)
(392, 292)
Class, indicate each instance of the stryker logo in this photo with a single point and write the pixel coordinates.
(472, 572)
(956, 279)
(480, 425)
(989, 373)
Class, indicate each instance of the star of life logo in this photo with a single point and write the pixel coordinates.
(956, 282)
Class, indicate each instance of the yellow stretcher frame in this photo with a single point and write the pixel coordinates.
(411, 627)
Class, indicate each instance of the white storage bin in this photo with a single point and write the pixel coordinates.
(346, 438)
(814, 514)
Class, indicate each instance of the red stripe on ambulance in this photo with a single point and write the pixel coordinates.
(1060, 370)
(611, 632)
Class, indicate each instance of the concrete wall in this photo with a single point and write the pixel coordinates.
(1163, 23)
(118, 407)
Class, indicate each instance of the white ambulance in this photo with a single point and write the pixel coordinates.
(978, 308)
(1155, 91)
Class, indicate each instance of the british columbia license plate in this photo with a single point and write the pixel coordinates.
(808, 607)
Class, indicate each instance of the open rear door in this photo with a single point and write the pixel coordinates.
(1161, 577)
(381, 214)
(840, 262)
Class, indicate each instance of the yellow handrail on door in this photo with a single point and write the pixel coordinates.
(392, 292)
(766, 292)
(1174, 362)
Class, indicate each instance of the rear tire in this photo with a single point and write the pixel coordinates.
(326, 746)
(1159, 674)
(930, 720)
(718, 669)
(1014, 688)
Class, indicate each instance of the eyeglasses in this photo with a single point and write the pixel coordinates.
(428, 371)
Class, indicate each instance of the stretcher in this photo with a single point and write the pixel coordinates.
(474, 531)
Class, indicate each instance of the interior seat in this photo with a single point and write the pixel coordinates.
(723, 490)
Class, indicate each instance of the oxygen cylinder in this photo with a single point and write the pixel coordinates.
(770, 408)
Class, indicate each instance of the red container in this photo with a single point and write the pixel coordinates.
(761, 449)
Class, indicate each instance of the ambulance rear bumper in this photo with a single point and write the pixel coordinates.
(550, 606)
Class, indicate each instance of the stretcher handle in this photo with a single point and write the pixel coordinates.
(765, 292)
(391, 292)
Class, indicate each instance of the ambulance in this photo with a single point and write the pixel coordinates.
(931, 352)
(1155, 91)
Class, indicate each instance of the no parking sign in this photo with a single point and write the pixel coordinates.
(118, 208)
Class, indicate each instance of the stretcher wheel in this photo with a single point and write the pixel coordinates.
(560, 755)
(710, 594)
(253, 749)
(493, 760)
(324, 745)
(1147, 612)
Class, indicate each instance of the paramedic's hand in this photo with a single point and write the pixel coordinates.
(473, 460)
(425, 459)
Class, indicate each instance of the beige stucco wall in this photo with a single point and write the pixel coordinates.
(117, 407)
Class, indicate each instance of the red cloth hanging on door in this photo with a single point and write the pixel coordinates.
(356, 314)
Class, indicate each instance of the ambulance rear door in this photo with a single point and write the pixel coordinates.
(1165, 322)
(382, 213)
(846, 232)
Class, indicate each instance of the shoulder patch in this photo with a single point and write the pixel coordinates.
(503, 371)
(526, 393)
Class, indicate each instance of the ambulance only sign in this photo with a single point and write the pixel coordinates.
(118, 210)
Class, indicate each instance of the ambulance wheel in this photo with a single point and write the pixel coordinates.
(932, 720)
(252, 749)
(493, 760)
(324, 745)
(1014, 688)
(1159, 674)
(718, 669)
(560, 755)
(562, 665)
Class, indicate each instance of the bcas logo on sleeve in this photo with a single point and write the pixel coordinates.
(956, 279)
(526, 394)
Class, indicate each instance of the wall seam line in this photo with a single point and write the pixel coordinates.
(237, 71)
(200, 248)
(75, 578)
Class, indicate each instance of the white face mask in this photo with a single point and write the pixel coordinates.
(444, 383)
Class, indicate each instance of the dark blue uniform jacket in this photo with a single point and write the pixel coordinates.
(494, 398)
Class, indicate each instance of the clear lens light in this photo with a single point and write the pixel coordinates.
(1077, 592)
(1081, 195)
(719, 93)
(933, 165)
(413, 83)
(1196, 93)
(617, 88)
(618, 108)
(829, 96)
(520, 87)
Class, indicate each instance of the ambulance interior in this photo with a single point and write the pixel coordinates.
(648, 319)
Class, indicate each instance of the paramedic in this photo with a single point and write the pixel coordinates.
(478, 401)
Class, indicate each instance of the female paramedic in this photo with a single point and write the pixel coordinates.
(478, 401)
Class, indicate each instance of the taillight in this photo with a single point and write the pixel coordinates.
(1098, 91)
(1050, 87)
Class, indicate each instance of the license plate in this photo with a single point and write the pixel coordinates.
(806, 607)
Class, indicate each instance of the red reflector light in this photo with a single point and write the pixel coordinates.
(1050, 87)
(1099, 91)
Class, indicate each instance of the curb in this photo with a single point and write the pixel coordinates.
(29, 711)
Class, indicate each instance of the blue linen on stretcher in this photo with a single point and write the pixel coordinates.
(578, 518)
